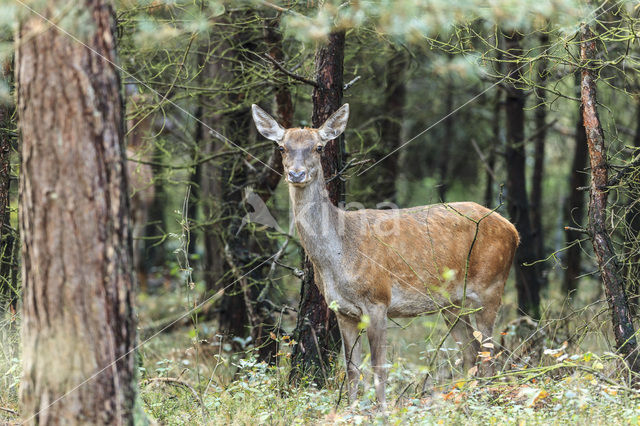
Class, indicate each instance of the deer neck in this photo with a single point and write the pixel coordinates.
(318, 222)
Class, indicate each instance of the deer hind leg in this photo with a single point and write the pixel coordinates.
(352, 353)
(377, 334)
(485, 320)
(462, 332)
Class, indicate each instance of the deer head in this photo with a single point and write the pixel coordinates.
(301, 148)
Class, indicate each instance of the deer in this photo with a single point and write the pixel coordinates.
(449, 258)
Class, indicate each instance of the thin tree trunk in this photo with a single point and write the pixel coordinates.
(574, 213)
(496, 133)
(384, 186)
(632, 233)
(608, 263)
(443, 162)
(270, 177)
(527, 280)
(78, 324)
(155, 252)
(540, 119)
(8, 290)
(317, 326)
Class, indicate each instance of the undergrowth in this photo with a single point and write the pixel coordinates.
(558, 371)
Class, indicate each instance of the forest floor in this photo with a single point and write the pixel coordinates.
(562, 375)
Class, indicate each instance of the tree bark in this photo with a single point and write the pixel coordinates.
(574, 213)
(608, 263)
(270, 176)
(8, 283)
(496, 133)
(78, 324)
(384, 185)
(540, 119)
(443, 162)
(632, 233)
(317, 328)
(527, 279)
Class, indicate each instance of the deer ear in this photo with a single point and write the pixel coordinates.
(266, 125)
(335, 125)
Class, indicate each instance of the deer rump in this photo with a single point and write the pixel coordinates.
(421, 260)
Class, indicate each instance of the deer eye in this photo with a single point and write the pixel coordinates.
(319, 148)
(280, 148)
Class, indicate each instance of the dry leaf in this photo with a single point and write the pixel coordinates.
(488, 345)
(473, 370)
(478, 336)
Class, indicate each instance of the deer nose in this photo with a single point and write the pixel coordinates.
(296, 177)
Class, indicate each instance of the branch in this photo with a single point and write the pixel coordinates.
(289, 73)
(9, 410)
(483, 158)
(351, 163)
(574, 229)
(351, 83)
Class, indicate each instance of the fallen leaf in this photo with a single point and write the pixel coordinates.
(539, 397)
(478, 336)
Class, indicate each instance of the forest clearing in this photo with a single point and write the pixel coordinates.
(320, 212)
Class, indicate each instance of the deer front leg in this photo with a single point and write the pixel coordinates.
(377, 333)
(352, 353)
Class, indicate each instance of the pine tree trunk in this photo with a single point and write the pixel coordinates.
(632, 233)
(317, 329)
(574, 213)
(608, 263)
(8, 290)
(384, 186)
(271, 175)
(496, 133)
(77, 319)
(443, 162)
(540, 119)
(528, 282)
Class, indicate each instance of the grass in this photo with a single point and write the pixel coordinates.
(189, 378)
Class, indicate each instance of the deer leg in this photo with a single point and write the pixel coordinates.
(485, 319)
(352, 353)
(462, 332)
(377, 334)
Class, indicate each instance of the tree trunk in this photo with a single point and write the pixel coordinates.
(527, 279)
(384, 185)
(78, 322)
(495, 131)
(317, 326)
(270, 176)
(574, 213)
(540, 118)
(8, 286)
(610, 269)
(443, 162)
(156, 228)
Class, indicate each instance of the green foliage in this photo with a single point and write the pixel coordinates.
(414, 21)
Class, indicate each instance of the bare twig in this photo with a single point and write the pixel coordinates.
(9, 410)
(483, 158)
(289, 73)
(574, 229)
(351, 83)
